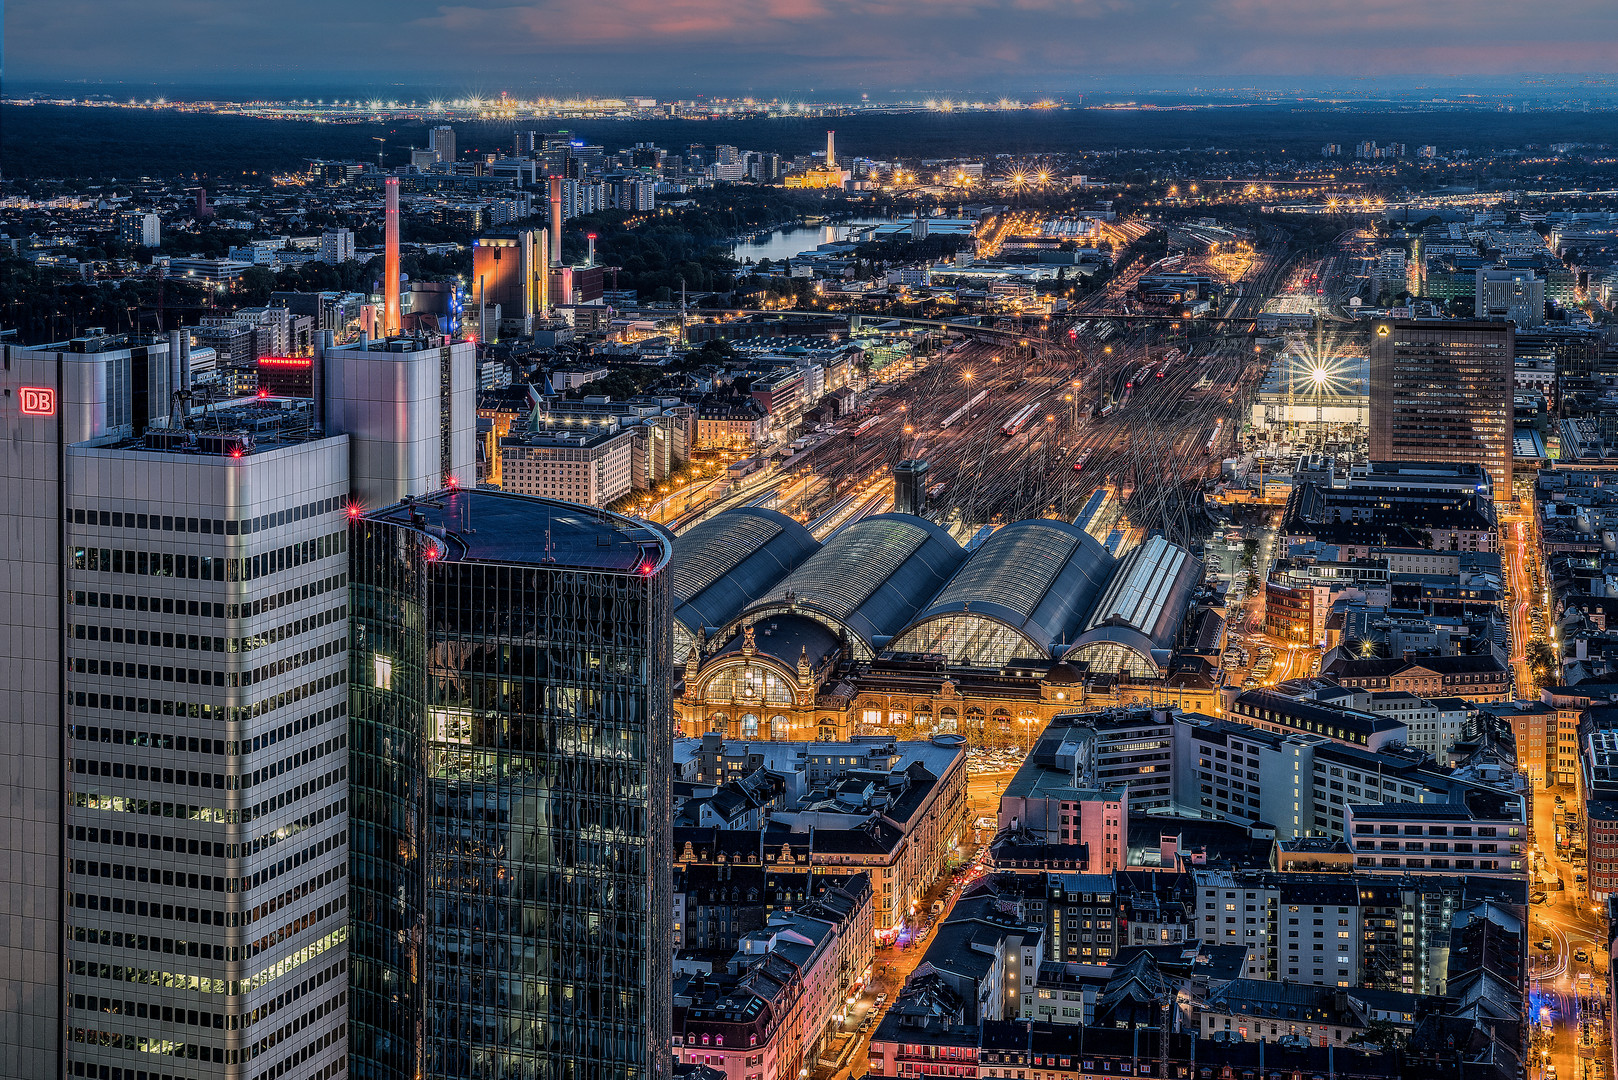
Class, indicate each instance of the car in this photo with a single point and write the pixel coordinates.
(1546, 944)
(1581, 956)
(880, 998)
(1579, 878)
(1538, 898)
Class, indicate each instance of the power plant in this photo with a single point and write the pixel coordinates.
(827, 175)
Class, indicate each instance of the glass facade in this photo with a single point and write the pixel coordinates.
(512, 838)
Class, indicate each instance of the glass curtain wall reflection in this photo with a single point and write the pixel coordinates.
(514, 896)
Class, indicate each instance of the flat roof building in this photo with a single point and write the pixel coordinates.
(1441, 391)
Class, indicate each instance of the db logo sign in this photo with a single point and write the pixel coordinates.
(38, 401)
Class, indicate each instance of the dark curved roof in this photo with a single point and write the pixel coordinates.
(870, 577)
(725, 563)
(1039, 577)
(575, 537)
(1146, 599)
(786, 638)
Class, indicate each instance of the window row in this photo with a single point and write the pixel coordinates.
(296, 926)
(157, 739)
(117, 669)
(116, 939)
(160, 639)
(118, 770)
(119, 804)
(223, 714)
(169, 879)
(120, 669)
(113, 519)
(180, 845)
(156, 605)
(290, 796)
(287, 764)
(286, 832)
(208, 567)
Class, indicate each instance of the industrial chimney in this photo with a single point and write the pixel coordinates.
(831, 149)
(392, 320)
(556, 221)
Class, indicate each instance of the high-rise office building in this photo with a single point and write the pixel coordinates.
(1505, 293)
(51, 396)
(1441, 391)
(441, 140)
(140, 228)
(206, 810)
(511, 894)
(172, 831)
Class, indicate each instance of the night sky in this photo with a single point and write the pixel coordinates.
(803, 47)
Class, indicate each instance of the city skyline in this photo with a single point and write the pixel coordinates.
(817, 46)
(659, 540)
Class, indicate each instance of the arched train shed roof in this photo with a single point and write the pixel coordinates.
(1145, 602)
(722, 565)
(1037, 578)
(869, 578)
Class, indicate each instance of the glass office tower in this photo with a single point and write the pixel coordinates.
(510, 792)
(1441, 391)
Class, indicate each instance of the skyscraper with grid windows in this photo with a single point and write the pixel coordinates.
(512, 839)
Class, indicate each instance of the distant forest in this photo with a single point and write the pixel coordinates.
(44, 141)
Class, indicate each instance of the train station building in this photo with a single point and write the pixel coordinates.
(892, 628)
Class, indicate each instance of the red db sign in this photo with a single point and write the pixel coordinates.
(38, 401)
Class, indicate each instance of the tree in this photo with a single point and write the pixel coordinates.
(255, 286)
(1383, 1035)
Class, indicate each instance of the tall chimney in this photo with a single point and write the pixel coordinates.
(831, 149)
(391, 318)
(556, 221)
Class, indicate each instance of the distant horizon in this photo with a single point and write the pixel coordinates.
(1403, 89)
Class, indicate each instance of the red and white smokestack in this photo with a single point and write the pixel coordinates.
(392, 319)
(556, 221)
(591, 261)
(831, 149)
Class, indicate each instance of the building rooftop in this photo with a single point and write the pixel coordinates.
(232, 429)
(1039, 578)
(1400, 811)
(483, 525)
(871, 577)
(725, 563)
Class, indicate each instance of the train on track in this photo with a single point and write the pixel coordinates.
(1016, 423)
(964, 409)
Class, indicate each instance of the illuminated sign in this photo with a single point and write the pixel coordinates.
(284, 361)
(1382, 331)
(38, 401)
